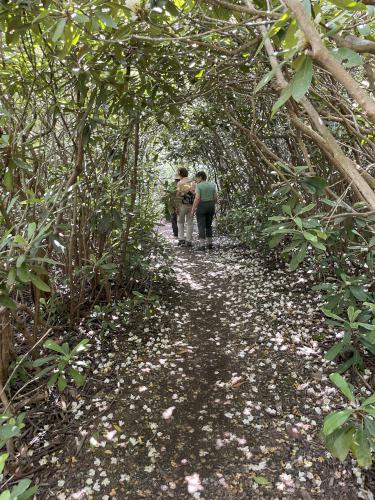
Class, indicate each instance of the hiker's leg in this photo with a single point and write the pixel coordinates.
(189, 225)
(209, 219)
(174, 224)
(201, 219)
(181, 223)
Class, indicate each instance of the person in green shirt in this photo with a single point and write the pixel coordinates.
(204, 205)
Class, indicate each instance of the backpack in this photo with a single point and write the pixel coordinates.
(188, 198)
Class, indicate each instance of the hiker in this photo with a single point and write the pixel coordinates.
(185, 190)
(174, 216)
(204, 205)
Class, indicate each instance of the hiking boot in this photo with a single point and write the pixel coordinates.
(189, 244)
(210, 246)
(181, 243)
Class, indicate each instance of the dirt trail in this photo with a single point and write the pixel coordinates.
(226, 394)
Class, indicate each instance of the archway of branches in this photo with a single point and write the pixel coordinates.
(275, 98)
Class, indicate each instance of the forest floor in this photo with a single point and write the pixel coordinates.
(220, 395)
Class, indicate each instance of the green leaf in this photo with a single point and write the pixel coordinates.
(51, 344)
(301, 81)
(59, 30)
(62, 383)
(3, 459)
(80, 347)
(342, 443)
(348, 4)
(78, 378)
(8, 180)
(24, 274)
(334, 351)
(298, 257)
(6, 301)
(28, 493)
(52, 380)
(361, 448)
(39, 283)
(20, 487)
(347, 57)
(275, 240)
(106, 20)
(359, 293)
(369, 401)
(305, 209)
(31, 230)
(335, 420)
(310, 236)
(5, 495)
(285, 95)
(263, 481)
(331, 314)
(266, 79)
(342, 384)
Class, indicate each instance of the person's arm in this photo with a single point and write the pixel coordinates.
(197, 199)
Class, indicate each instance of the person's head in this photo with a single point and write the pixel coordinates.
(183, 172)
(201, 176)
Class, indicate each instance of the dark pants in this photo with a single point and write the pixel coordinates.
(174, 224)
(205, 215)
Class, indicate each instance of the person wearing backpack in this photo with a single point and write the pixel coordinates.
(186, 192)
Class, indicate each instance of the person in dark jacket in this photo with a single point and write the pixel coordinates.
(204, 205)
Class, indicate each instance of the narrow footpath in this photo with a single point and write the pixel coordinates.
(224, 400)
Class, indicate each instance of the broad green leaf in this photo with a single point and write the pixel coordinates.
(51, 344)
(331, 314)
(302, 79)
(41, 285)
(266, 79)
(6, 301)
(20, 487)
(3, 459)
(305, 209)
(24, 274)
(263, 481)
(284, 97)
(62, 383)
(59, 30)
(342, 384)
(348, 4)
(342, 444)
(334, 351)
(52, 380)
(106, 20)
(361, 448)
(8, 180)
(31, 230)
(78, 378)
(298, 257)
(347, 57)
(310, 236)
(5, 495)
(335, 420)
(28, 493)
(369, 401)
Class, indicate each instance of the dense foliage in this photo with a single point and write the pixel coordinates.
(275, 98)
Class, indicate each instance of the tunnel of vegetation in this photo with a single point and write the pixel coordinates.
(275, 98)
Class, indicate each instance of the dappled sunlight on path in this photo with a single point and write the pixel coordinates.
(224, 399)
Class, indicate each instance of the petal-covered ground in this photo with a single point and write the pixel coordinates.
(219, 395)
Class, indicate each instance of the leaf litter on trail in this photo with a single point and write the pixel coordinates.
(234, 349)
